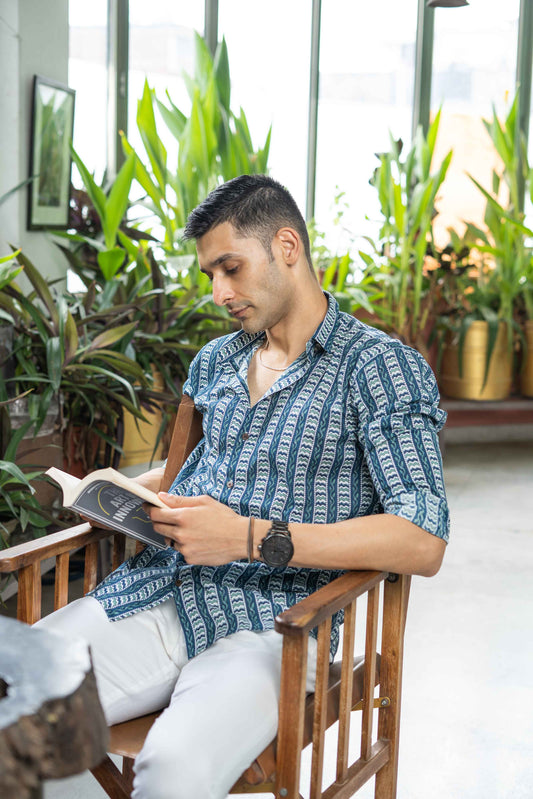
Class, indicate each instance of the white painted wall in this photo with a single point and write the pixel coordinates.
(33, 40)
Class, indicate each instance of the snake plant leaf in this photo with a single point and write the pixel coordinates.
(110, 261)
(117, 202)
(222, 74)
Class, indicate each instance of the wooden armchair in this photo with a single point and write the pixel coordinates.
(303, 719)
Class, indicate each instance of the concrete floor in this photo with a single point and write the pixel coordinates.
(467, 728)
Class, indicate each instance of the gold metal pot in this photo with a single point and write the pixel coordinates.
(526, 374)
(470, 384)
(139, 436)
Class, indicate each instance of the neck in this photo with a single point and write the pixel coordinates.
(288, 338)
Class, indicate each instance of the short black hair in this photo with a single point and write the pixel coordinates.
(255, 205)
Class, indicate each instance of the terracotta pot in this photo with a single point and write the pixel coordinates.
(469, 385)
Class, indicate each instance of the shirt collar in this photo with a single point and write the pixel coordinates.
(321, 337)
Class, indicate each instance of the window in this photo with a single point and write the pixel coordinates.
(269, 51)
(474, 65)
(161, 48)
(366, 89)
(87, 70)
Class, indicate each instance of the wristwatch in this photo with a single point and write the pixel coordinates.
(276, 548)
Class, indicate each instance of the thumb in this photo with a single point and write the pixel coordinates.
(176, 501)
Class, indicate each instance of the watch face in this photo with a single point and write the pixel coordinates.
(277, 549)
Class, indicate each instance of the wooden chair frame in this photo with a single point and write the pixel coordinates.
(303, 720)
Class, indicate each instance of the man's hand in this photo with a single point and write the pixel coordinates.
(205, 531)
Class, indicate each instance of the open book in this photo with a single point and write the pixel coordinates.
(110, 498)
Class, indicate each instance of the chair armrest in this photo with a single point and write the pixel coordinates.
(302, 617)
(51, 545)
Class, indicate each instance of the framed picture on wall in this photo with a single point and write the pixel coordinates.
(52, 124)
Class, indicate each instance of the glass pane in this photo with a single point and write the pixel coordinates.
(161, 47)
(366, 89)
(87, 75)
(269, 62)
(474, 67)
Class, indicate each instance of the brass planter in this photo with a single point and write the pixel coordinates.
(139, 436)
(470, 384)
(526, 375)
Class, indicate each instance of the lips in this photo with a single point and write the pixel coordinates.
(238, 312)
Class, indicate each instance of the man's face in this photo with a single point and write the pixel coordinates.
(254, 289)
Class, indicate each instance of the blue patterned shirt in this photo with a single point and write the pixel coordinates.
(349, 429)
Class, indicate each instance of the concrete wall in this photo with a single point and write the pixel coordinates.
(33, 40)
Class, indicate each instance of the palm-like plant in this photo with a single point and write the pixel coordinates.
(407, 191)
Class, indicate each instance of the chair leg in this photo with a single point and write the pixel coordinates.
(394, 617)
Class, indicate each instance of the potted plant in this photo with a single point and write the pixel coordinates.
(401, 258)
(487, 326)
(474, 361)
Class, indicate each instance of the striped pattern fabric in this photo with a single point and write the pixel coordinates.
(349, 429)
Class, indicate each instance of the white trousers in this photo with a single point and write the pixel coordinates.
(221, 706)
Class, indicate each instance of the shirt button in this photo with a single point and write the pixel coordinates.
(179, 583)
(230, 484)
(245, 436)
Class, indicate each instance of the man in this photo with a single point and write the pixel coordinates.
(319, 454)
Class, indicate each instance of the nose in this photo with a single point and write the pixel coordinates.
(222, 291)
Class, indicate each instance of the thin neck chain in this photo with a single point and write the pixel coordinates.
(272, 368)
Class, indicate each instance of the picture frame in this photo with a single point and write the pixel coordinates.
(52, 124)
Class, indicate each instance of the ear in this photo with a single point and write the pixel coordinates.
(288, 244)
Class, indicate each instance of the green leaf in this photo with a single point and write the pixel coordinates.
(110, 261)
(54, 361)
(203, 67)
(173, 118)
(152, 143)
(110, 337)
(41, 287)
(118, 199)
(94, 191)
(222, 74)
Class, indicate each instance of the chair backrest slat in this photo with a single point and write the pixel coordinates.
(320, 709)
(345, 705)
(186, 435)
(372, 613)
(91, 567)
(61, 581)
(119, 550)
(29, 593)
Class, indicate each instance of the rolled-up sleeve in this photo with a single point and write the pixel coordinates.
(397, 403)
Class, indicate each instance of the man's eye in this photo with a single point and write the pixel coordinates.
(232, 270)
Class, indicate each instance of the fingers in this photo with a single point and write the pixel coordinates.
(177, 501)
